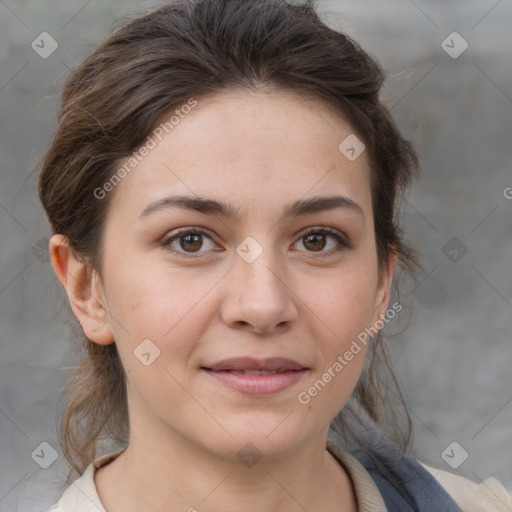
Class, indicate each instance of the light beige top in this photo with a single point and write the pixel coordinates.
(489, 496)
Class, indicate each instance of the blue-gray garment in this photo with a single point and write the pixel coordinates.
(417, 490)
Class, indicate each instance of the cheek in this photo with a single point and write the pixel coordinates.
(344, 303)
(152, 298)
(343, 312)
(167, 312)
(172, 308)
(341, 328)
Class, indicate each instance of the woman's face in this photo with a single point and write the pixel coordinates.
(266, 284)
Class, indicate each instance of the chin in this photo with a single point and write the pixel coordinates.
(269, 435)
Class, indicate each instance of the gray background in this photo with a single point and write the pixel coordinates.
(454, 359)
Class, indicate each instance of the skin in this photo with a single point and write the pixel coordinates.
(258, 152)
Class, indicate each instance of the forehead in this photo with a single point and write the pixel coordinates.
(238, 145)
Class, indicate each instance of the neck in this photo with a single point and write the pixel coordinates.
(166, 473)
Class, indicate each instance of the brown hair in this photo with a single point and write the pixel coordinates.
(155, 63)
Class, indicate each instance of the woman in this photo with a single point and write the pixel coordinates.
(222, 188)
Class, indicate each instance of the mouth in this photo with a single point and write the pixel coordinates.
(251, 372)
(257, 377)
(247, 364)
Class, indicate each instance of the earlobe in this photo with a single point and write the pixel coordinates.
(84, 289)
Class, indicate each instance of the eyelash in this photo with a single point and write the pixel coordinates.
(167, 241)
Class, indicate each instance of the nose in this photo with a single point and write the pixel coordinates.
(259, 297)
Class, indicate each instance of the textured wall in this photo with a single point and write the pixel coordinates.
(453, 360)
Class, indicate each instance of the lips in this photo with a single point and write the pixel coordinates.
(254, 372)
(257, 376)
(251, 366)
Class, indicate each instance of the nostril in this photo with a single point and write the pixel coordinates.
(242, 323)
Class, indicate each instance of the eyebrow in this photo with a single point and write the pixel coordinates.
(212, 207)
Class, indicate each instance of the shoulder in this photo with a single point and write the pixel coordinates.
(82, 495)
(487, 496)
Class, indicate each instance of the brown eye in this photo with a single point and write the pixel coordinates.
(315, 242)
(188, 242)
(193, 242)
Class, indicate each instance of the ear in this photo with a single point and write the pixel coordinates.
(383, 294)
(85, 291)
